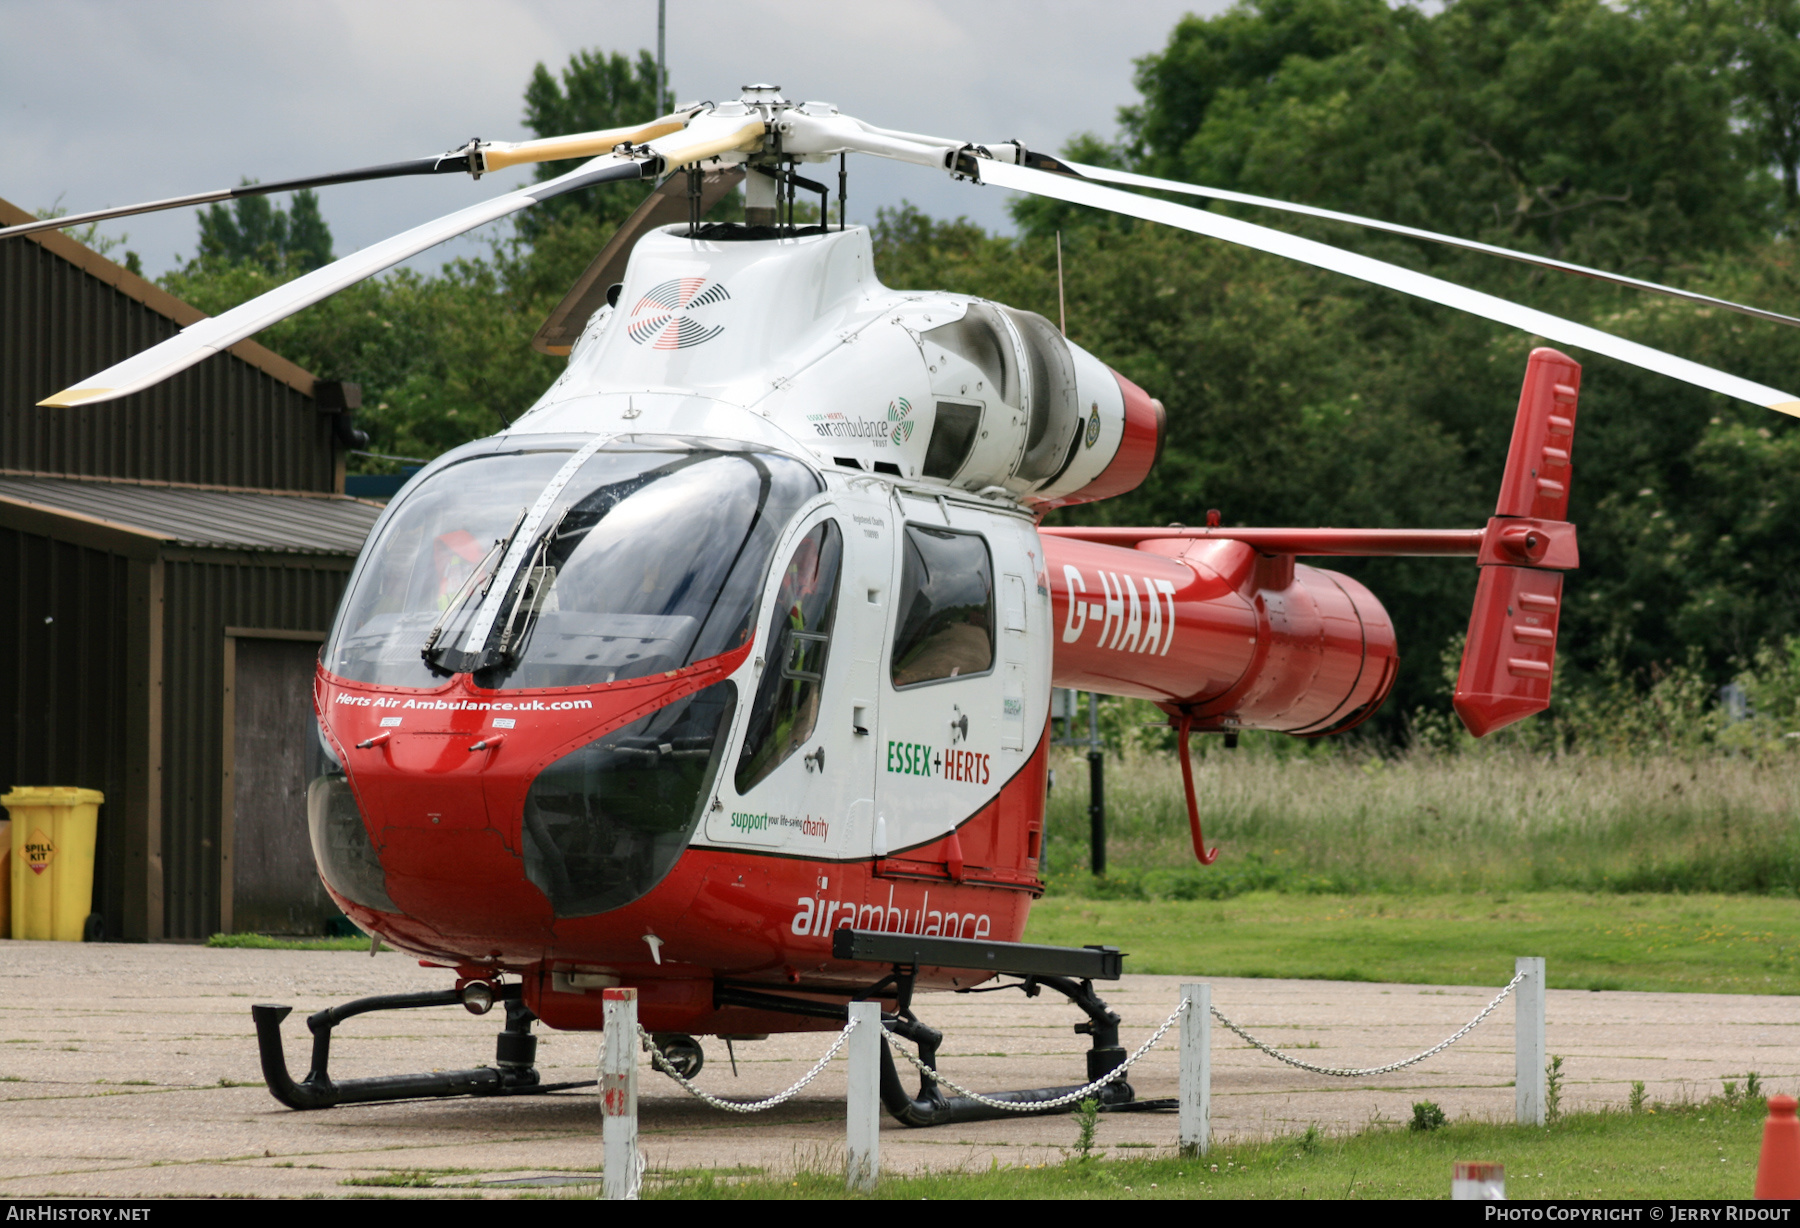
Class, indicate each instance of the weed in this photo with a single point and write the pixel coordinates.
(405, 1180)
(262, 942)
(1636, 1103)
(1553, 1081)
(1752, 1086)
(1427, 1116)
(1731, 1095)
(1309, 1142)
(1087, 1122)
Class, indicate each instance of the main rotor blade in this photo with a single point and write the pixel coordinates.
(704, 138)
(439, 165)
(477, 158)
(1380, 273)
(207, 337)
(1108, 175)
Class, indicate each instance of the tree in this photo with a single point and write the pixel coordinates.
(596, 91)
(90, 236)
(1568, 126)
(253, 230)
(1763, 40)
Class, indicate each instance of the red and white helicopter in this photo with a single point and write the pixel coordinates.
(725, 671)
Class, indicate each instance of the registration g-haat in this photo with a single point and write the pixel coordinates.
(1132, 614)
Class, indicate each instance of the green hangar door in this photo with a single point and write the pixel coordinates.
(270, 884)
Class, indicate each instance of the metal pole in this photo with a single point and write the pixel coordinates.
(1528, 1042)
(662, 71)
(862, 1103)
(618, 1093)
(1196, 1071)
(1096, 790)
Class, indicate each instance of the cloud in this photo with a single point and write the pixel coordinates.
(109, 103)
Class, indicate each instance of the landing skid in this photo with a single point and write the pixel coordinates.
(513, 1073)
(1069, 971)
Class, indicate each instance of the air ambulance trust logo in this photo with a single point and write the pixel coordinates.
(677, 314)
(898, 411)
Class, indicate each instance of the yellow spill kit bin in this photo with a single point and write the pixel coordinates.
(52, 860)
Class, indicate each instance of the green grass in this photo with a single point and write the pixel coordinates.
(1715, 944)
(408, 1180)
(1675, 1152)
(262, 942)
(1320, 818)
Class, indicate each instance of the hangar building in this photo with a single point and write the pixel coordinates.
(173, 560)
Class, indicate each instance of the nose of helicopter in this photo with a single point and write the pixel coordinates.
(490, 815)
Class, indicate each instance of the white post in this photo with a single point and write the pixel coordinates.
(1478, 1182)
(618, 1093)
(1196, 1071)
(1528, 1042)
(862, 1104)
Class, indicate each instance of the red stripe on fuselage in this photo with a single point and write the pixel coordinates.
(446, 824)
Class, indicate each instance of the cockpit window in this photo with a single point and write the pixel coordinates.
(650, 558)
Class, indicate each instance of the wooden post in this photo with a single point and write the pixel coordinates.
(1196, 1071)
(618, 1093)
(1528, 1042)
(862, 1103)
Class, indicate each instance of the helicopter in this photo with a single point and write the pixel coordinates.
(724, 673)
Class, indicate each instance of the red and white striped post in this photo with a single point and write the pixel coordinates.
(618, 1093)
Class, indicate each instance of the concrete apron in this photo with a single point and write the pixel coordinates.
(131, 1071)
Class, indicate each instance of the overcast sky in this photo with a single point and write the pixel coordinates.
(113, 101)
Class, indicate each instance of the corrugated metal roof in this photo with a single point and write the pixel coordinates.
(234, 520)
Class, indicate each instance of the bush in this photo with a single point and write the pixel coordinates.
(1427, 1116)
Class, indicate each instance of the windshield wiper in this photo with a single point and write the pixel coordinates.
(430, 651)
(534, 590)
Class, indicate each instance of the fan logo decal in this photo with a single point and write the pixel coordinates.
(898, 410)
(674, 314)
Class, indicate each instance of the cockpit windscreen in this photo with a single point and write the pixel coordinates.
(648, 557)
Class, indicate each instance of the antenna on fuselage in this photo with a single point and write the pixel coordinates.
(662, 64)
(1062, 308)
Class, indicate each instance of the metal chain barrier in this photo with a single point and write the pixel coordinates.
(1037, 1106)
(663, 1064)
(1345, 1073)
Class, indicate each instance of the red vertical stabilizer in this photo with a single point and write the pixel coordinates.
(1510, 655)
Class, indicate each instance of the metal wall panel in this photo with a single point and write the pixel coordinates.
(63, 672)
(204, 593)
(221, 423)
